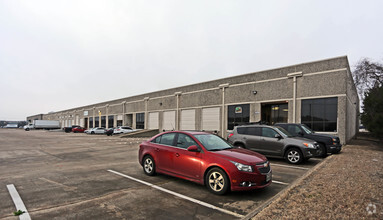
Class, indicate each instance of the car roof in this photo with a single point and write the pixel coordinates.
(189, 132)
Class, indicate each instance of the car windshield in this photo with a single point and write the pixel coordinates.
(283, 132)
(213, 142)
(307, 129)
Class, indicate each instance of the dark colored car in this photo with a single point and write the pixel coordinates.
(273, 141)
(327, 143)
(78, 130)
(109, 131)
(206, 159)
(69, 129)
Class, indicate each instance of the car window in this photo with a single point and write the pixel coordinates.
(293, 129)
(157, 140)
(254, 131)
(167, 139)
(213, 142)
(241, 130)
(185, 141)
(268, 132)
(249, 131)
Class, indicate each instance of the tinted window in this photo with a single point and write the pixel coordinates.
(110, 121)
(249, 131)
(140, 120)
(241, 130)
(268, 132)
(293, 129)
(320, 114)
(254, 131)
(185, 141)
(167, 139)
(238, 115)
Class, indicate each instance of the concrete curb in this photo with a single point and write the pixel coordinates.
(279, 195)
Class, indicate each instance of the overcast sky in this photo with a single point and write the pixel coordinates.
(56, 55)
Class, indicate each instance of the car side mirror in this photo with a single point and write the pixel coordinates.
(193, 148)
(300, 133)
(278, 136)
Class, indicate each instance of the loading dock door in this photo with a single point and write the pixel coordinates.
(153, 120)
(169, 122)
(188, 119)
(210, 119)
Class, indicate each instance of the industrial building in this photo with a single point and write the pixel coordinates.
(320, 94)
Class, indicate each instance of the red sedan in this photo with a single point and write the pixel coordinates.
(205, 159)
(78, 130)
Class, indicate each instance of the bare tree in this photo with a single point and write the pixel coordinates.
(367, 74)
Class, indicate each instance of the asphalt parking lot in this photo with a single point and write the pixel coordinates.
(76, 176)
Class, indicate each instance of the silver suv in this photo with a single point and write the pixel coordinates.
(273, 141)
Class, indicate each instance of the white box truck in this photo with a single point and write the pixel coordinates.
(42, 124)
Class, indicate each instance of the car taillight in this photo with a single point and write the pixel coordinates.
(230, 135)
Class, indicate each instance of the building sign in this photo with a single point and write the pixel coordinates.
(238, 110)
(86, 113)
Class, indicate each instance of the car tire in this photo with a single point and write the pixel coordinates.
(92, 132)
(322, 150)
(217, 181)
(294, 156)
(27, 129)
(149, 166)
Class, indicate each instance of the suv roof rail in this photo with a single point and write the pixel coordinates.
(255, 123)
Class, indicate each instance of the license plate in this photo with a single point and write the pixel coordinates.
(268, 177)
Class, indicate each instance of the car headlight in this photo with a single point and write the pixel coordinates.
(309, 145)
(242, 167)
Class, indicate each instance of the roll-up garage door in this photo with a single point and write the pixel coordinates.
(169, 122)
(153, 120)
(188, 119)
(210, 119)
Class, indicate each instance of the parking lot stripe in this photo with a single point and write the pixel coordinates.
(179, 195)
(280, 165)
(278, 182)
(18, 202)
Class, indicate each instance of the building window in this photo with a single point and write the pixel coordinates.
(96, 121)
(90, 122)
(103, 121)
(320, 114)
(110, 121)
(140, 120)
(238, 115)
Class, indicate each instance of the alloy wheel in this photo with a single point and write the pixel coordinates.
(293, 156)
(148, 165)
(216, 181)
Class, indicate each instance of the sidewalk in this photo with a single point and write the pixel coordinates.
(348, 185)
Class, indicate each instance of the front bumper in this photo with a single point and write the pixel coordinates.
(241, 181)
(334, 148)
(310, 152)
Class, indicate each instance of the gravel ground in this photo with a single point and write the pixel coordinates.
(348, 185)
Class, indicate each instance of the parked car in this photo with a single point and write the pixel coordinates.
(273, 141)
(206, 159)
(78, 130)
(97, 130)
(69, 129)
(109, 131)
(123, 129)
(327, 143)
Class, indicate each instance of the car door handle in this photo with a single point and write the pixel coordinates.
(157, 149)
(244, 138)
(177, 155)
